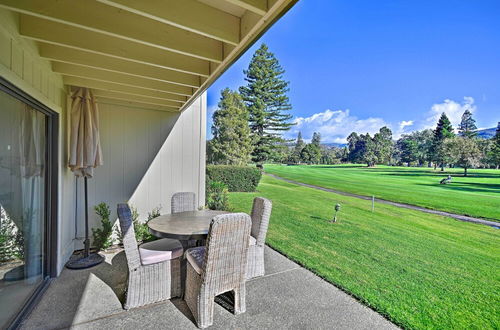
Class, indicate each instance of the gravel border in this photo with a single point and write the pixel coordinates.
(406, 206)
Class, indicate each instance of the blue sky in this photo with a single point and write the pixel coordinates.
(358, 65)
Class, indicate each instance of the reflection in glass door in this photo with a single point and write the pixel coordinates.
(23, 174)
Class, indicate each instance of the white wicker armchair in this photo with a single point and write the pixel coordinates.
(154, 267)
(218, 267)
(261, 212)
(183, 201)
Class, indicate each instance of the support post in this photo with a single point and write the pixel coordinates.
(86, 243)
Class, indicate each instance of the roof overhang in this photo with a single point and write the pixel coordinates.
(160, 53)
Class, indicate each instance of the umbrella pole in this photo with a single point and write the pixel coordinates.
(86, 243)
(88, 260)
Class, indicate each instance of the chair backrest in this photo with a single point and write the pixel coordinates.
(261, 212)
(128, 234)
(183, 201)
(226, 253)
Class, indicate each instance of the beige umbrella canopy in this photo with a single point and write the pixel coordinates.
(85, 154)
(85, 148)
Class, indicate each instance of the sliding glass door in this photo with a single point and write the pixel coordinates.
(24, 225)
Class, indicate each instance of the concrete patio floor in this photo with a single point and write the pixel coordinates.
(288, 296)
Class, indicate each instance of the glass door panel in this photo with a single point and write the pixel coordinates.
(23, 158)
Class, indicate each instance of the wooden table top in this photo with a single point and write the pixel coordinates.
(183, 225)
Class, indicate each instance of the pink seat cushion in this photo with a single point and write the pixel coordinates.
(252, 240)
(196, 256)
(160, 250)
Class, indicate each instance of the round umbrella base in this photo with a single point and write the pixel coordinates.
(82, 263)
(15, 274)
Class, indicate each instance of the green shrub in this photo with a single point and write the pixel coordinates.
(217, 196)
(237, 178)
(141, 229)
(102, 236)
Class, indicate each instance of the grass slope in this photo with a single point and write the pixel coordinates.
(476, 195)
(419, 270)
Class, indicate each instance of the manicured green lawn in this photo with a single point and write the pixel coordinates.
(476, 195)
(419, 270)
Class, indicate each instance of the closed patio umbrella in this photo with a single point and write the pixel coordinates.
(85, 155)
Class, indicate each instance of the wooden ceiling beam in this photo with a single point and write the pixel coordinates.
(190, 15)
(135, 98)
(97, 17)
(114, 87)
(258, 7)
(112, 64)
(120, 78)
(69, 36)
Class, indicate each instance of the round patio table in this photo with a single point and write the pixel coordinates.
(190, 225)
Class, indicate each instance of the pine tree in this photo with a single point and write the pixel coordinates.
(266, 98)
(311, 153)
(443, 131)
(494, 153)
(316, 139)
(231, 143)
(467, 126)
(299, 145)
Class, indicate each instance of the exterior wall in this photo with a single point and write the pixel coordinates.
(148, 155)
(21, 66)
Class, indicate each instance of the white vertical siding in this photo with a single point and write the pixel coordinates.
(148, 156)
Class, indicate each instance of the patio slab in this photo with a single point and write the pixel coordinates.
(288, 296)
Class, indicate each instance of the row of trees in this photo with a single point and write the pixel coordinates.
(438, 147)
(248, 124)
(441, 147)
(370, 150)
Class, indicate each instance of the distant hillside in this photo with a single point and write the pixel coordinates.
(327, 144)
(486, 133)
(332, 144)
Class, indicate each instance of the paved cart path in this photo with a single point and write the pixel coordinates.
(383, 201)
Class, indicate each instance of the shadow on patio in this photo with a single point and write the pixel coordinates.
(288, 296)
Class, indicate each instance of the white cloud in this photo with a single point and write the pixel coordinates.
(454, 110)
(334, 126)
(405, 123)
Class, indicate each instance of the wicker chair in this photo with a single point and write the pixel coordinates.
(154, 267)
(183, 201)
(261, 212)
(218, 267)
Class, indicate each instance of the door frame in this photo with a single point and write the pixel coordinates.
(51, 195)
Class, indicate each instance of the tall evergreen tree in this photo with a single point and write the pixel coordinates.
(312, 152)
(443, 131)
(316, 139)
(299, 144)
(297, 150)
(494, 153)
(467, 126)
(231, 143)
(266, 98)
